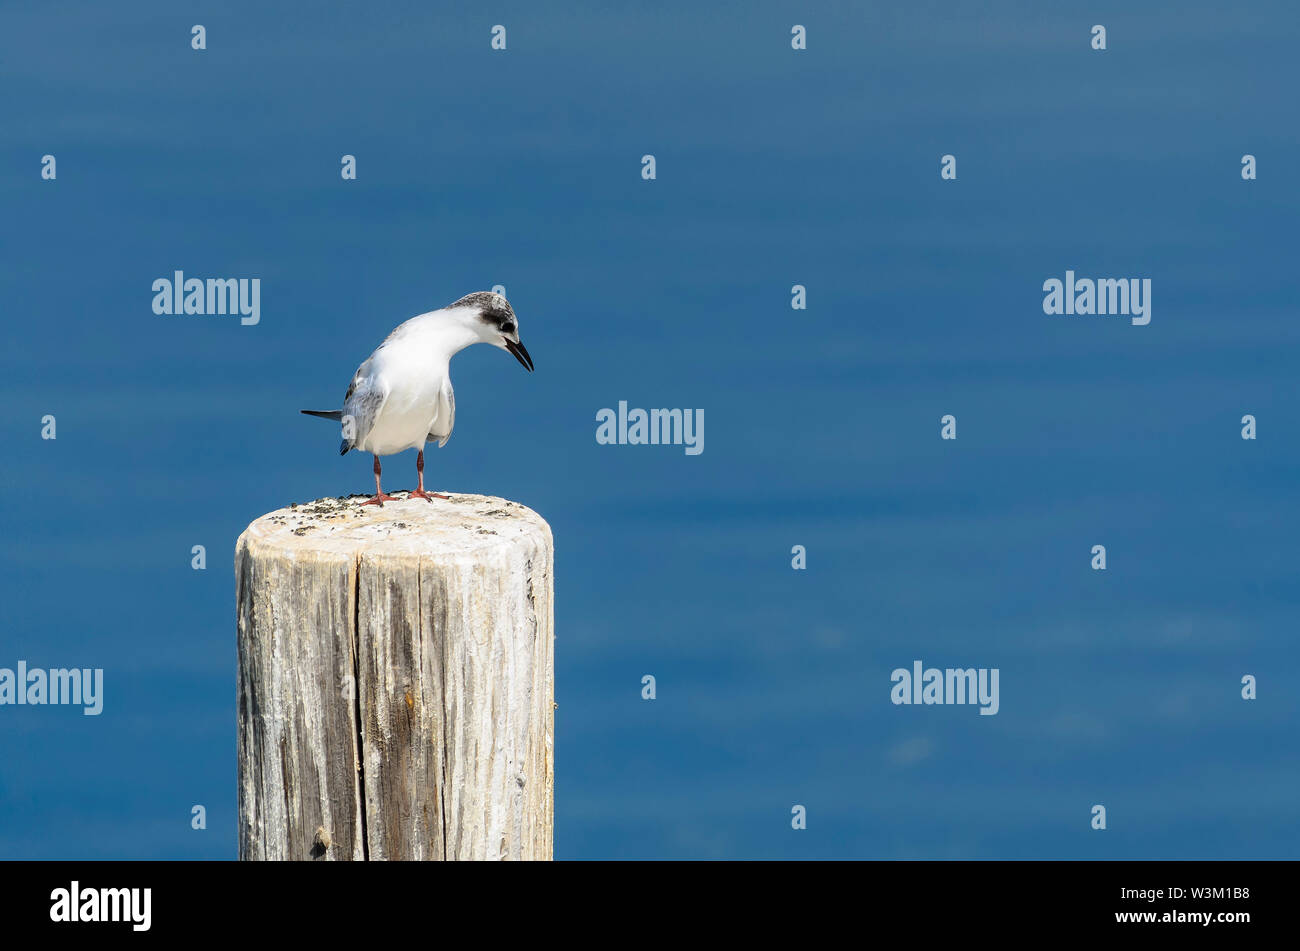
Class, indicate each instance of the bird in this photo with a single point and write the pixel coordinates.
(401, 396)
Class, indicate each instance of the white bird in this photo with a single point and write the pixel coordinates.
(401, 397)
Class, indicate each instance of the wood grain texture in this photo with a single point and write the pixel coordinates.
(396, 681)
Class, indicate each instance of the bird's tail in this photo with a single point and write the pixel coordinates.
(337, 416)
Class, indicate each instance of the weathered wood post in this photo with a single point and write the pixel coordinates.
(396, 681)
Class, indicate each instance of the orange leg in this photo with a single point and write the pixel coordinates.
(419, 493)
(379, 498)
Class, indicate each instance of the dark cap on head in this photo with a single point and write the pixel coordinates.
(494, 309)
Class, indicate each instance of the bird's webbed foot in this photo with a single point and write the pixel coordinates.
(421, 494)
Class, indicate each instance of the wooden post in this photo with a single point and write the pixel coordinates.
(396, 681)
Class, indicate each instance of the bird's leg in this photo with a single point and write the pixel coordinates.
(379, 498)
(419, 493)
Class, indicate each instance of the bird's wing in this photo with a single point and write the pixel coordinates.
(362, 404)
(446, 418)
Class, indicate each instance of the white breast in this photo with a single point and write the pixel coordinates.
(410, 369)
(414, 382)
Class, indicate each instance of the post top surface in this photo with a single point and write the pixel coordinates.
(463, 523)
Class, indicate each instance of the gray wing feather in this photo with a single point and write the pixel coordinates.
(446, 418)
(361, 405)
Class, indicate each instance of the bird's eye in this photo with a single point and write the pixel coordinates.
(507, 328)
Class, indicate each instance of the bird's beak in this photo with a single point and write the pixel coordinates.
(521, 354)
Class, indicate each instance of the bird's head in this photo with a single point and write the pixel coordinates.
(495, 323)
